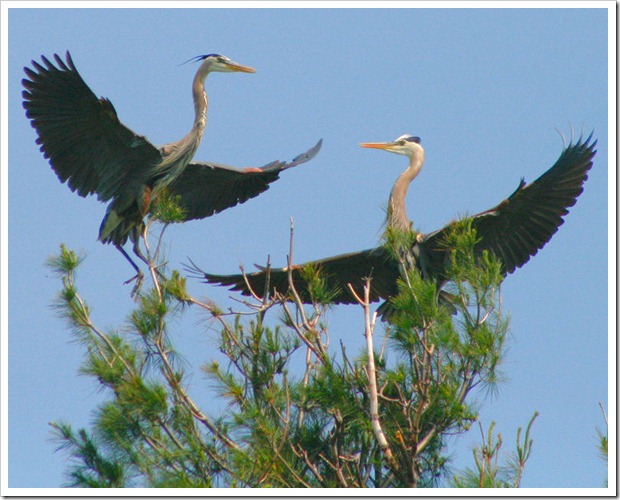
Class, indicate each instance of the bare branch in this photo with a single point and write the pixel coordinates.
(371, 373)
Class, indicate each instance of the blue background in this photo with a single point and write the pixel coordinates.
(487, 90)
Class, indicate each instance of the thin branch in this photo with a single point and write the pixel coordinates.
(371, 373)
(98, 333)
(299, 331)
(304, 383)
(152, 267)
(604, 413)
(303, 454)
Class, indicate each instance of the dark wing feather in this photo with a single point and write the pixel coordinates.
(337, 272)
(524, 222)
(86, 144)
(204, 189)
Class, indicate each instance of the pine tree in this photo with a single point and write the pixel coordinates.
(299, 413)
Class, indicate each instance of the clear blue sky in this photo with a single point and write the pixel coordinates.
(487, 91)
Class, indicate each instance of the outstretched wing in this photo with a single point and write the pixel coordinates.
(86, 144)
(338, 272)
(524, 222)
(204, 189)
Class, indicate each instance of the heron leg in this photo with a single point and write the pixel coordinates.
(138, 252)
(136, 248)
(139, 277)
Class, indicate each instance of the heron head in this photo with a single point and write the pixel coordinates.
(407, 145)
(220, 63)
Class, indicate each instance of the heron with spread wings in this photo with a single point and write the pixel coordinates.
(513, 231)
(94, 153)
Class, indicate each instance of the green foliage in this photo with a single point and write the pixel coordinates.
(489, 472)
(146, 433)
(317, 285)
(297, 412)
(166, 208)
(398, 242)
(446, 344)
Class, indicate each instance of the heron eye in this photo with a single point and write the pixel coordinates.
(402, 142)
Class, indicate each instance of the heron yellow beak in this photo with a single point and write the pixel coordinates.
(240, 67)
(377, 145)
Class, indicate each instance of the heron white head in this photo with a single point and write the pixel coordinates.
(221, 64)
(406, 145)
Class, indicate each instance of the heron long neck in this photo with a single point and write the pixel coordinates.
(178, 154)
(201, 103)
(397, 209)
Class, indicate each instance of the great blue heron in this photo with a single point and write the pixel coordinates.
(90, 149)
(513, 231)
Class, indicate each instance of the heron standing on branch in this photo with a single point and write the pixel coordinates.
(513, 231)
(90, 149)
